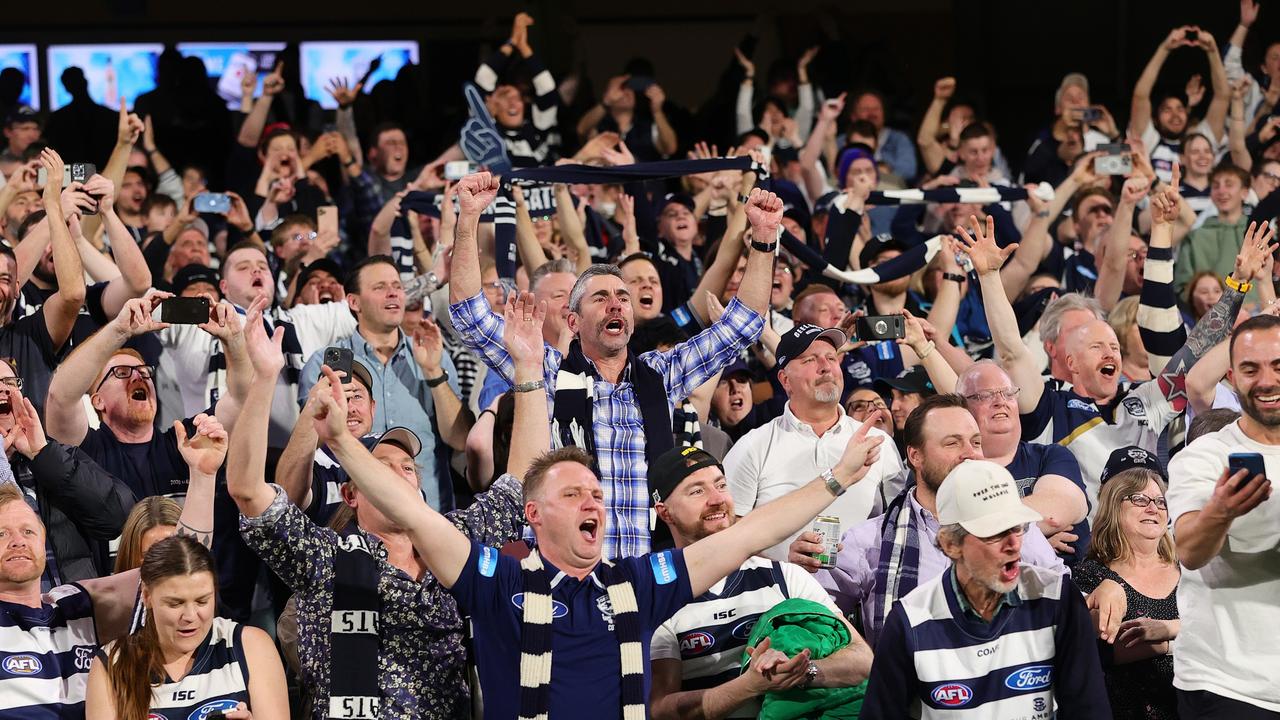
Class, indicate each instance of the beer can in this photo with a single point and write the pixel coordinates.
(828, 528)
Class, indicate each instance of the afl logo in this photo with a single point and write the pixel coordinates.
(558, 609)
(204, 711)
(696, 643)
(22, 665)
(952, 695)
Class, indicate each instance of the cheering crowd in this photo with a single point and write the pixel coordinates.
(603, 412)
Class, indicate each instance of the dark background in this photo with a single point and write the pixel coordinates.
(1008, 56)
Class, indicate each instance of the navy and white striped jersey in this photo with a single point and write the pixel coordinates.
(45, 655)
(710, 634)
(219, 678)
(1036, 656)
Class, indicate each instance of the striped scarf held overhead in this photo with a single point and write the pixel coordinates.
(535, 640)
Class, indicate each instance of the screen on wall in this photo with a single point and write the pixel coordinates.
(227, 62)
(322, 61)
(25, 59)
(112, 71)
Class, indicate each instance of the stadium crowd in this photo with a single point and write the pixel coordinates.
(589, 417)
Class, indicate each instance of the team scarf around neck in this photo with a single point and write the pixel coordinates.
(536, 634)
(354, 643)
(898, 570)
(573, 410)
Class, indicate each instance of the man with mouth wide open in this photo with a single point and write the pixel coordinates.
(612, 404)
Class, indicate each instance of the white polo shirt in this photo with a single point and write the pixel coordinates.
(785, 454)
(1229, 607)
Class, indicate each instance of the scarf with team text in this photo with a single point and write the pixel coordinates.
(353, 630)
(536, 634)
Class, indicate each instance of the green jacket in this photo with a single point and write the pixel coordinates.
(1212, 246)
(791, 626)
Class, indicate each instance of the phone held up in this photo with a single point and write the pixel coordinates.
(880, 327)
(1115, 160)
(72, 172)
(185, 310)
(339, 360)
(1246, 461)
(218, 203)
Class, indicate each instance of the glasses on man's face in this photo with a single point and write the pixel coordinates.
(1017, 530)
(303, 236)
(1138, 255)
(124, 372)
(858, 407)
(1272, 178)
(986, 396)
(1141, 500)
(13, 382)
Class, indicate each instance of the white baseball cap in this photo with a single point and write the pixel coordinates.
(982, 498)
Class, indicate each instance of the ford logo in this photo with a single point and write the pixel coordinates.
(558, 609)
(207, 709)
(1030, 678)
(952, 694)
(742, 630)
(696, 643)
(22, 665)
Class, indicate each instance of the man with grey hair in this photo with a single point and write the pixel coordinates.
(1022, 631)
(1061, 316)
(612, 404)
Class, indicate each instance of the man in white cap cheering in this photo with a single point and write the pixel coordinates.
(990, 636)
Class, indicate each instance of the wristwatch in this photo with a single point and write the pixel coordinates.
(953, 277)
(764, 247)
(810, 675)
(438, 381)
(833, 486)
(529, 386)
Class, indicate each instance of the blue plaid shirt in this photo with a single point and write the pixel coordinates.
(618, 427)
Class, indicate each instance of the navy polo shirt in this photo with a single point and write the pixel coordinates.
(585, 665)
(1033, 461)
(149, 468)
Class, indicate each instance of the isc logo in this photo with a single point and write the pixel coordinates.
(696, 643)
(22, 665)
(952, 694)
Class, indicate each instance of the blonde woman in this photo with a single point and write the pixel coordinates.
(1132, 546)
(151, 520)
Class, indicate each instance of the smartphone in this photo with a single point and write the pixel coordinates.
(458, 169)
(1091, 114)
(327, 219)
(1247, 461)
(1117, 160)
(339, 360)
(219, 203)
(185, 310)
(640, 83)
(72, 172)
(880, 327)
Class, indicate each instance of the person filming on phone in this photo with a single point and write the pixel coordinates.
(1228, 535)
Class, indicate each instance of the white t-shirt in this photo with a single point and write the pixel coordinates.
(785, 454)
(1230, 608)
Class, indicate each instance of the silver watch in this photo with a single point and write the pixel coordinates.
(833, 486)
(810, 674)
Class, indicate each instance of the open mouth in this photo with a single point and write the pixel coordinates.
(737, 403)
(646, 301)
(1001, 415)
(257, 283)
(1151, 521)
(682, 226)
(188, 633)
(1009, 571)
(325, 298)
(590, 529)
(777, 286)
(716, 516)
(615, 326)
(391, 306)
(5, 407)
(1268, 400)
(1109, 370)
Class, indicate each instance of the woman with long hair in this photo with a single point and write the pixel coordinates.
(184, 662)
(1132, 546)
(150, 521)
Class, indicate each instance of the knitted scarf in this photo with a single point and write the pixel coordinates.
(573, 410)
(535, 640)
(898, 571)
(353, 630)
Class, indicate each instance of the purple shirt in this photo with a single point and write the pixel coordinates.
(851, 581)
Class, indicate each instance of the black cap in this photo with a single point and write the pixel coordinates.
(823, 204)
(192, 274)
(735, 368)
(914, 379)
(21, 114)
(877, 245)
(322, 264)
(684, 199)
(673, 466)
(799, 338)
(1128, 458)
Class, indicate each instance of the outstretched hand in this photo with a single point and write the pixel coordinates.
(522, 330)
(987, 256)
(205, 451)
(331, 416)
(1254, 251)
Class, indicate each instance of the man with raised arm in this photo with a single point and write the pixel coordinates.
(378, 633)
(614, 405)
(1097, 415)
(573, 627)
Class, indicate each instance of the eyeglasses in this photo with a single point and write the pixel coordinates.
(124, 372)
(1137, 255)
(1017, 530)
(13, 382)
(1140, 500)
(301, 237)
(1272, 177)
(857, 407)
(987, 396)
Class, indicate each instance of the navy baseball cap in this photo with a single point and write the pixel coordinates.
(1128, 458)
(799, 338)
(914, 379)
(680, 198)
